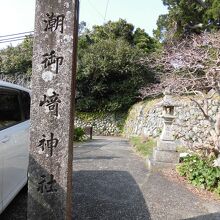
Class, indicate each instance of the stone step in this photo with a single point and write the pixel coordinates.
(156, 165)
(165, 156)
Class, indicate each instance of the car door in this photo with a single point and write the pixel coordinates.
(15, 143)
(1, 171)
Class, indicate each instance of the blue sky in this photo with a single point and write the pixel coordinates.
(18, 15)
(141, 13)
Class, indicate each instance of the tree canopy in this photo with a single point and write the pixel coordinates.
(186, 17)
(120, 29)
(17, 60)
(109, 72)
(109, 76)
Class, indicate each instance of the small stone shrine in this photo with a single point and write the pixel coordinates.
(165, 153)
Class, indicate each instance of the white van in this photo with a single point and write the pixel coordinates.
(14, 140)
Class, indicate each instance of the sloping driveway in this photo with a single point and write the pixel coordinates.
(112, 182)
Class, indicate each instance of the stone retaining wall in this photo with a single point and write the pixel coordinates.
(144, 119)
(103, 124)
(190, 126)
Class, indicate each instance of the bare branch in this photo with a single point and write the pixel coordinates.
(190, 66)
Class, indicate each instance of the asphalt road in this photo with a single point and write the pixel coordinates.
(112, 182)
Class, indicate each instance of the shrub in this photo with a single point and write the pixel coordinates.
(79, 134)
(200, 172)
(110, 75)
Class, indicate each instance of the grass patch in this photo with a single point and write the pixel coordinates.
(144, 146)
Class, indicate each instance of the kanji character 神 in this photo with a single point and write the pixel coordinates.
(50, 143)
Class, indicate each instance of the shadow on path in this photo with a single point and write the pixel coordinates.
(17, 210)
(110, 182)
(108, 195)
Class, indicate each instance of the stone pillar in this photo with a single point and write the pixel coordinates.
(165, 154)
(52, 110)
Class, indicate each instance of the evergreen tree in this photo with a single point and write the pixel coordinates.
(186, 17)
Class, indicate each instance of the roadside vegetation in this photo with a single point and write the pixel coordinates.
(79, 134)
(143, 146)
(200, 172)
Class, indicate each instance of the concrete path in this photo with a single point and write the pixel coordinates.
(112, 183)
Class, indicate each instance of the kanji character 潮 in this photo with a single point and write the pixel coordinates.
(53, 22)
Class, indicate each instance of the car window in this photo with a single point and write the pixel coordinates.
(25, 99)
(10, 111)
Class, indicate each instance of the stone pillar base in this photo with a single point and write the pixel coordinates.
(164, 156)
(157, 165)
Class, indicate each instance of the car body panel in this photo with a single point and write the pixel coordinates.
(14, 154)
(1, 175)
(13, 86)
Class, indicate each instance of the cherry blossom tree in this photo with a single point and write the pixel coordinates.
(190, 66)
